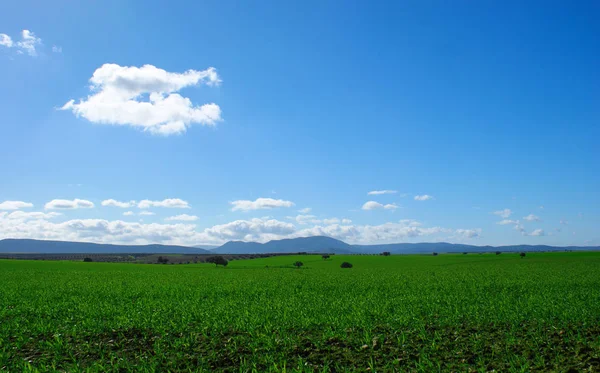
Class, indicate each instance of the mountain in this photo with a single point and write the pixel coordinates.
(315, 244)
(24, 246)
(206, 247)
(331, 245)
(321, 244)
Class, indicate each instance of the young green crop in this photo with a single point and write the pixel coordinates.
(402, 313)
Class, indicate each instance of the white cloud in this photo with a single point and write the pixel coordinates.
(22, 215)
(537, 232)
(6, 41)
(14, 205)
(28, 42)
(39, 226)
(380, 192)
(146, 213)
(260, 230)
(507, 222)
(56, 49)
(260, 204)
(331, 221)
(372, 205)
(541, 207)
(118, 97)
(424, 197)
(467, 233)
(128, 213)
(56, 204)
(531, 217)
(114, 203)
(182, 217)
(346, 221)
(305, 219)
(167, 203)
(506, 213)
(564, 222)
(305, 210)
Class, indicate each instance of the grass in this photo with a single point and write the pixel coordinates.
(399, 313)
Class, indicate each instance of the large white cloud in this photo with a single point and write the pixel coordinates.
(115, 203)
(372, 205)
(260, 204)
(14, 205)
(249, 230)
(145, 97)
(64, 204)
(167, 203)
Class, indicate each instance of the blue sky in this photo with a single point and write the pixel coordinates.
(242, 115)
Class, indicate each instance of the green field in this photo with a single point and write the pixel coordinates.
(400, 313)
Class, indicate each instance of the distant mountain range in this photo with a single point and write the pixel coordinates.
(22, 246)
(315, 244)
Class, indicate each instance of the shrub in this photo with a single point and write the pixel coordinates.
(87, 260)
(386, 253)
(346, 265)
(498, 252)
(435, 254)
(522, 255)
(217, 260)
(162, 259)
(325, 257)
(298, 264)
(465, 253)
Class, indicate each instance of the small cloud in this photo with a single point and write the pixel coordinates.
(346, 221)
(424, 197)
(29, 42)
(372, 205)
(147, 213)
(507, 222)
(182, 217)
(128, 213)
(305, 210)
(564, 222)
(531, 217)
(541, 207)
(174, 203)
(65, 204)
(114, 203)
(14, 205)
(56, 49)
(506, 213)
(380, 192)
(260, 204)
(537, 232)
(6, 41)
(468, 233)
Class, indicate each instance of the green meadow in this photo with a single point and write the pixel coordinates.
(399, 313)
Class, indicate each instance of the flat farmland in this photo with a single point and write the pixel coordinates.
(475, 312)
